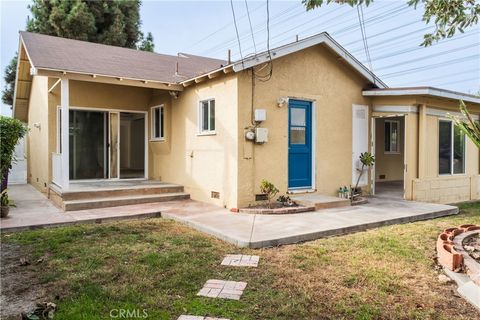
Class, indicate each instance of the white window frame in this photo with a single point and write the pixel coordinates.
(153, 124)
(452, 141)
(200, 121)
(398, 137)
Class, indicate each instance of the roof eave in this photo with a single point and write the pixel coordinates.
(306, 43)
(434, 92)
(111, 79)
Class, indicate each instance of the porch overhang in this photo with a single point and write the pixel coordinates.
(91, 77)
(424, 92)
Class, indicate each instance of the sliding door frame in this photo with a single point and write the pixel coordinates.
(109, 111)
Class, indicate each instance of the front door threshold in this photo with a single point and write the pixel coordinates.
(301, 190)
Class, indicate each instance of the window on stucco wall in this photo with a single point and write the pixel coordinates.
(392, 136)
(451, 148)
(158, 121)
(206, 116)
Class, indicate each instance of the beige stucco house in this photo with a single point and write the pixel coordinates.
(298, 115)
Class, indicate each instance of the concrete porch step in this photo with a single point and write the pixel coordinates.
(320, 201)
(115, 201)
(105, 192)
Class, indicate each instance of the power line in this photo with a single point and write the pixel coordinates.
(251, 29)
(335, 18)
(230, 42)
(429, 56)
(219, 30)
(431, 66)
(354, 26)
(450, 75)
(236, 29)
(364, 36)
(454, 82)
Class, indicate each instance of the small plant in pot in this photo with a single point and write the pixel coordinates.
(6, 203)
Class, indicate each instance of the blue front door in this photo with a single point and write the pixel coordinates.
(299, 144)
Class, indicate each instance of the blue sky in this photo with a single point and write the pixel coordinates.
(394, 32)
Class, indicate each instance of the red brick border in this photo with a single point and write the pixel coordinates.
(449, 252)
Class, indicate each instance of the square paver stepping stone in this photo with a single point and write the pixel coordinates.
(188, 317)
(222, 289)
(240, 260)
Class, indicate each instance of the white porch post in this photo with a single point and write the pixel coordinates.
(64, 133)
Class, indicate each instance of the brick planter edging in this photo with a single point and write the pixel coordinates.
(447, 252)
(286, 210)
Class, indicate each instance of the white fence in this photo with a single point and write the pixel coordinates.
(56, 168)
(18, 173)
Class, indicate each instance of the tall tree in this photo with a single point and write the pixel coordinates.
(449, 16)
(147, 43)
(109, 22)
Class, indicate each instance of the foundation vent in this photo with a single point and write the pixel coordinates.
(382, 177)
(215, 195)
(261, 197)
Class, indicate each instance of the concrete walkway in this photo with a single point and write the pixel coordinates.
(33, 211)
(242, 229)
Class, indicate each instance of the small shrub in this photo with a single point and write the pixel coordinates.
(269, 189)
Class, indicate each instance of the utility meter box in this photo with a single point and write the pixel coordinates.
(261, 135)
(260, 115)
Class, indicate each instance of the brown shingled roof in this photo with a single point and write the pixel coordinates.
(48, 52)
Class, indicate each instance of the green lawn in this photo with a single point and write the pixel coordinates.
(159, 265)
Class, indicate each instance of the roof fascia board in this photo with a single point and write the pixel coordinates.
(423, 91)
(20, 44)
(444, 113)
(395, 108)
(73, 75)
(303, 44)
(210, 75)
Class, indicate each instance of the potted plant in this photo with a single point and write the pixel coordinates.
(5, 203)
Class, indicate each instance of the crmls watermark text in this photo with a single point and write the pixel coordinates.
(128, 313)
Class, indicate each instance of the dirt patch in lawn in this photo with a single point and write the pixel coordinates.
(21, 288)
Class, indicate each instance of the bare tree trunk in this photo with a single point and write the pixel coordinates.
(356, 185)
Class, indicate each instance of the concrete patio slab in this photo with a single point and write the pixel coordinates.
(34, 210)
(257, 231)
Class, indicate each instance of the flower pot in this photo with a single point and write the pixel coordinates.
(4, 211)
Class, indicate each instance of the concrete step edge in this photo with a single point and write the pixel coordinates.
(126, 198)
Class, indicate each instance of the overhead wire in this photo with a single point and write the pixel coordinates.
(236, 29)
(251, 29)
(430, 56)
(364, 37)
(427, 67)
(220, 29)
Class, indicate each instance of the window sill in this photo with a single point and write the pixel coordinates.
(449, 175)
(392, 152)
(157, 140)
(206, 133)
